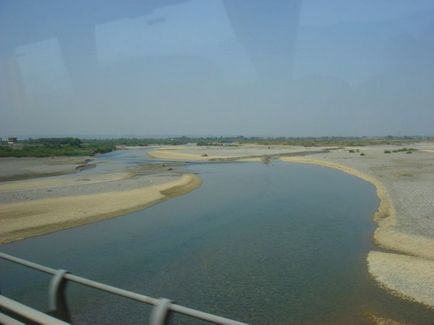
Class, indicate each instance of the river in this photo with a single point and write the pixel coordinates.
(271, 243)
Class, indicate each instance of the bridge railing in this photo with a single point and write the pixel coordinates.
(58, 307)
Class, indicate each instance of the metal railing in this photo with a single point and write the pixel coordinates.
(58, 307)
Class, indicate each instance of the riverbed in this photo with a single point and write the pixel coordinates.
(262, 243)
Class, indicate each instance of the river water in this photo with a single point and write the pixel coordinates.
(266, 244)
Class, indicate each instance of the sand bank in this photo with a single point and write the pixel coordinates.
(393, 271)
(50, 182)
(405, 275)
(22, 168)
(244, 153)
(36, 217)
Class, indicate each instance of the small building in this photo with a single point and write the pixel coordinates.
(12, 140)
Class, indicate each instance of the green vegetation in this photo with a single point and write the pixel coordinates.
(406, 150)
(73, 142)
(49, 147)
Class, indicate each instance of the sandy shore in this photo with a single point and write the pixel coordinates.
(176, 154)
(53, 182)
(23, 168)
(413, 278)
(108, 195)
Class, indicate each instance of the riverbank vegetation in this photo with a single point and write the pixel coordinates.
(405, 150)
(50, 147)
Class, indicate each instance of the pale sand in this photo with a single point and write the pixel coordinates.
(21, 168)
(30, 218)
(411, 277)
(252, 159)
(247, 153)
(379, 320)
(53, 182)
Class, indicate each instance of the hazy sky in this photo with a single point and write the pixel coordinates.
(216, 67)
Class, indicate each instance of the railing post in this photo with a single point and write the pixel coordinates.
(160, 312)
(57, 304)
(163, 308)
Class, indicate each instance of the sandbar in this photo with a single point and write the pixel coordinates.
(19, 220)
(239, 153)
(23, 168)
